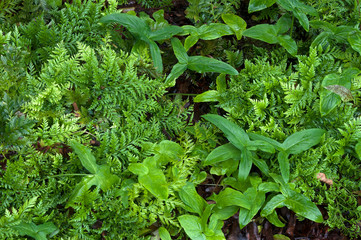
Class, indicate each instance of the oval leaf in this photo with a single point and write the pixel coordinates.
(204, 64)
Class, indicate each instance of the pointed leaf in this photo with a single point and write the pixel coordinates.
(258, 5)
(264, 32)
(208, 96)
(284, 165)
(205, 64)
(274, 143)
(135, 25)
(213, 31)
(236, 135)
(190, 41)
(245, 165)
(179, 51)
(288, 43)
(87, 159)
(223, 153)
(164, 234)
(303, 206)
(192, 226)
(38, 232)
(236, 23)
(192, 199)
(156, 57)
(303, 140)
(231, 197)
(257, 199)
(273, 218)
(165, 33)
(177, 70)
(275, 202)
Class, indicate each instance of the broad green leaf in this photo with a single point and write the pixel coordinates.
(302, 18)
(261, 145)
(177, 70)
(269, 187)
(213, 31)
(165, 32)
(138, 168)
(154, 181)
(284, 165)
(303, 140)
(221, 83)
(205, 64)
(261, 164)
(104, 178)
(303, 206)
(190, 41)
(156, 57)
(274, 143)
(189, 29)
(38, 232)
(231, 197)
(256, 199)
(245, 165)
(225, 167)
(264, 32)
(179, 51)
(328, 102)
(87, 159)
(236, 135)
(168, 151)
(137, 26)
(288, 43)
(208, 96)
(258, 5)
(223, 153)
(224, 213)
(273, 218)
(192, 226)
(275, 202)
(283, 24)
(236, 23)
(355, 40)
(192, 199)
(322, 39)
(343, 92)
(205, 216)
(164, 234)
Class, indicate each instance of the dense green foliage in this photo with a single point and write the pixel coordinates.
(93, 145)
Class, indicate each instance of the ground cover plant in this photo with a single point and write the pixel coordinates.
(184, 119)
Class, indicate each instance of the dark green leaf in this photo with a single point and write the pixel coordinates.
(135, 25)
(275, 202)
(258, 5)
(274, 143)
(156, 57)
(256, 199)
(177, 70)
(165, 33)
(179, 51)
(355, 40)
